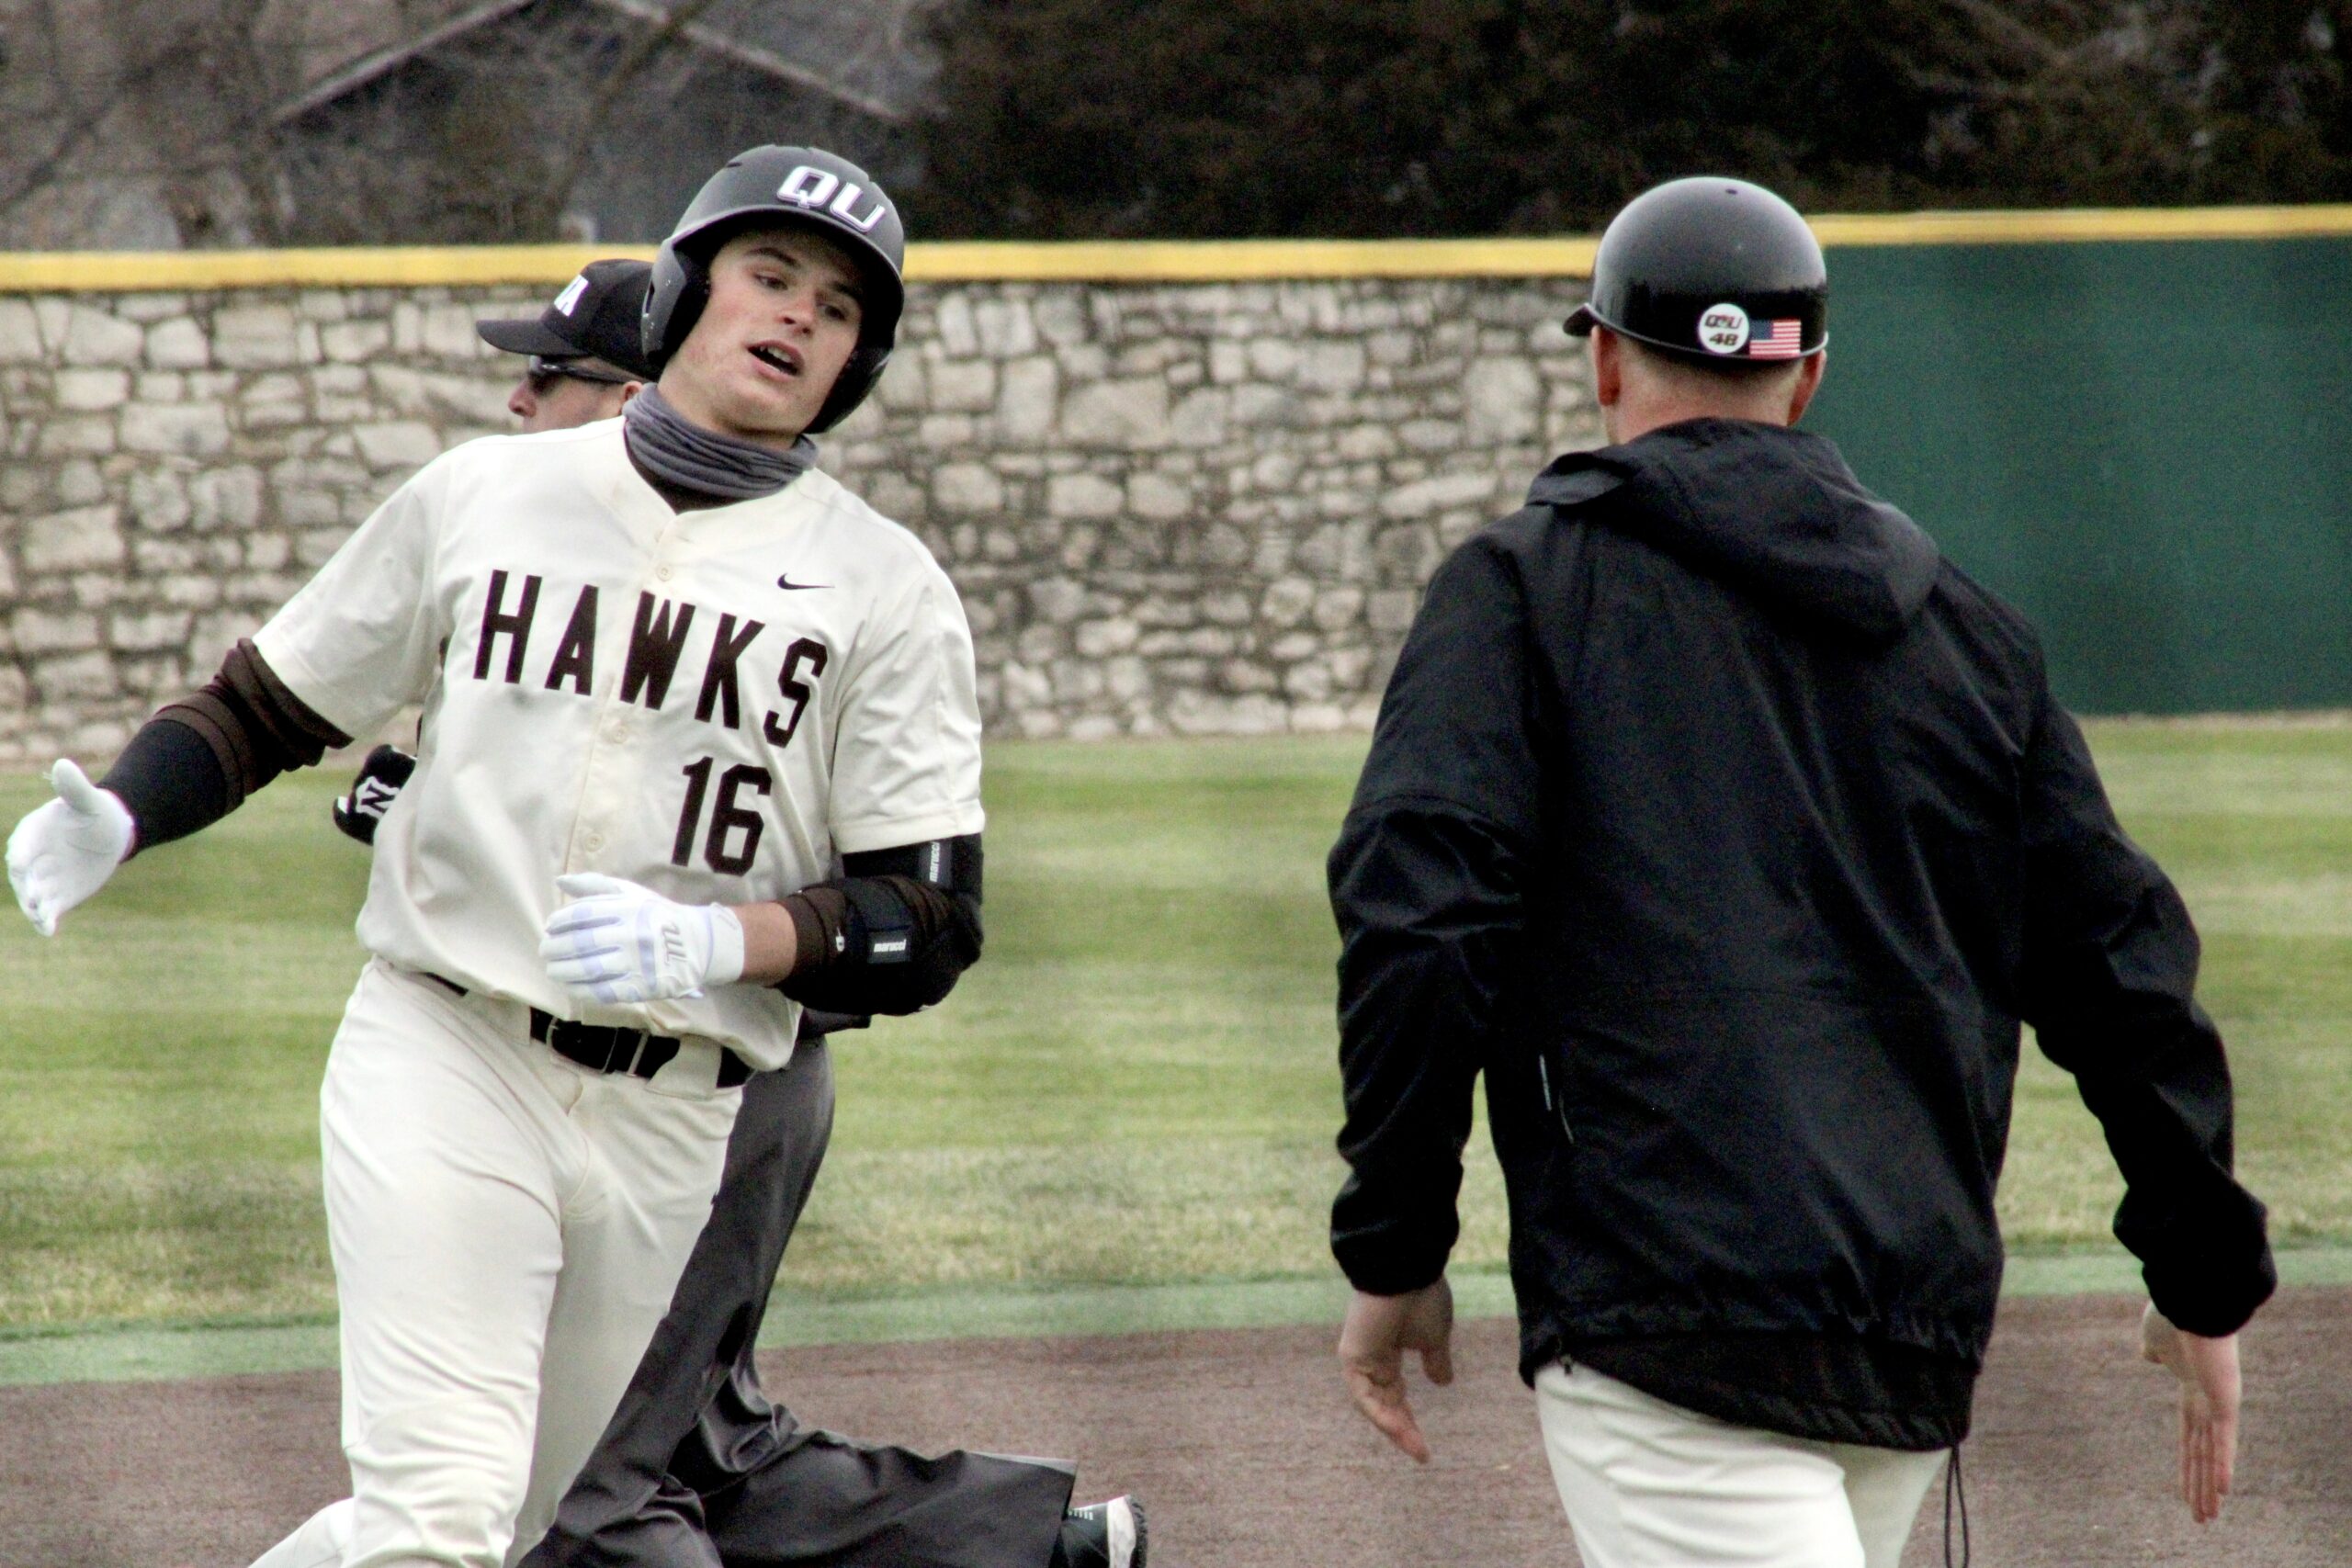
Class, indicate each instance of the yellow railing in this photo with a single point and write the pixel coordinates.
(1126, 261)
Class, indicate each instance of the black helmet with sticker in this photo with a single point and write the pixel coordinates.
(768, 186)
(1711, 269)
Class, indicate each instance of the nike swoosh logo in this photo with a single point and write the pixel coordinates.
(786, 581)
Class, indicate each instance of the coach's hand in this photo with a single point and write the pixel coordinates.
(2208, 1370)
(1373, 1342)
(618, 944)
(63, 851)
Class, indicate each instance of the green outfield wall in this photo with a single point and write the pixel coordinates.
(2146, 444)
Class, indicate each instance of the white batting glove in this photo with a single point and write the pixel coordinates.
(618, 944)
(63, 851)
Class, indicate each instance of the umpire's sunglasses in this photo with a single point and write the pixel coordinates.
(543, 373)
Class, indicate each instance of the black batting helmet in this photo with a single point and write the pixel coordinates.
(1711, 269)
(789, 186)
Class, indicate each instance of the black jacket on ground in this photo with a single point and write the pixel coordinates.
(1732, 832)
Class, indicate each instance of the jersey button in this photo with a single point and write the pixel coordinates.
(663, 572)
(593, 842)
(618, 733)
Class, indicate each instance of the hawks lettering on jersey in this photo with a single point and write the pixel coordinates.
(657, 642)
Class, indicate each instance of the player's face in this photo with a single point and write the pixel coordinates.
(548, 399)
(781, 324)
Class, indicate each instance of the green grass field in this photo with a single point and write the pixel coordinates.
(1136, 1087)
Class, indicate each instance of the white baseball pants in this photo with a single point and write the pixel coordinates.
(1648, 1484)
(507, 1228)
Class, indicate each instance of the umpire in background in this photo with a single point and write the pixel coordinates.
(1732, 832)
(584, 354)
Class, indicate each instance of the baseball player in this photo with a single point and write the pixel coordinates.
(1732, 832)
(698, 1459)
(676, 673)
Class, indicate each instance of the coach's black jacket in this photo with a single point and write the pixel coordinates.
(1732, 832)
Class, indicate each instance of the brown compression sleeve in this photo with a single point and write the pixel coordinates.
(817, 914)
(254, 728)
(254, 724)
(821, 921)
(892, 933)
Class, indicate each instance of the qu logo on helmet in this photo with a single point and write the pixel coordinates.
(810, 188)
(1722, 329)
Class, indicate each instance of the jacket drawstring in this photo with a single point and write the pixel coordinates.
(1955, 1488)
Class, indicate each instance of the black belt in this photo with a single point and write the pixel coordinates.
(605, 1049)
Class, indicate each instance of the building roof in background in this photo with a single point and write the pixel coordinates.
(868, 56)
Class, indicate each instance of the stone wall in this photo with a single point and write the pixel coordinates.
(1199, 508)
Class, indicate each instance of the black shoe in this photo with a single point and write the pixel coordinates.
(1104, 1534)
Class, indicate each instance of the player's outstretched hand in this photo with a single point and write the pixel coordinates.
(617, 944)
(2208, 1370)
(63, 851)
(1373, 1342)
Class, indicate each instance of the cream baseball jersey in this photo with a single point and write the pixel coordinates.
(716, 703)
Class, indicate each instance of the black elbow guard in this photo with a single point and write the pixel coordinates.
(898, 929)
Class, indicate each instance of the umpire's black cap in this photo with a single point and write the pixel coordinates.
(1711, 269)
(595, 317)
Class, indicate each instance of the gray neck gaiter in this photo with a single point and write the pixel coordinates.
(662, 443)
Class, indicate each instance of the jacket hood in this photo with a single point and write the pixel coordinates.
(1775, 512)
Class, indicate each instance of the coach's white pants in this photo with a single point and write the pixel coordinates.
(507, 1228)
(1648, 1484)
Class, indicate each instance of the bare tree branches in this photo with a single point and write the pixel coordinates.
(228, 122)
(564, 171)
(231, 122)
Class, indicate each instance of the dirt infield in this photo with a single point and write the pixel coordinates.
(1241, 1445)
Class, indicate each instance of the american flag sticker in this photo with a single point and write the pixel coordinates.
(1775, 340)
